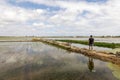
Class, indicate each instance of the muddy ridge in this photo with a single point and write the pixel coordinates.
(105, 56)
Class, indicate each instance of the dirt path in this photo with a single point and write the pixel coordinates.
(105, 56)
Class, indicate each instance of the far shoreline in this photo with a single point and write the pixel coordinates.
(58, 36)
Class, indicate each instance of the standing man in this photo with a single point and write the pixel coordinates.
(91, 42)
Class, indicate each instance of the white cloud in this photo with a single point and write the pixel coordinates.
(85, 18)
(42, 25)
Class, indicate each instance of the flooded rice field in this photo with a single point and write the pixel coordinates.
(38, 61)
(94, 48)
(108, 40)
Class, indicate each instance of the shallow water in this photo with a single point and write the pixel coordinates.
(38, 61)
(108, 40)
(94, 47)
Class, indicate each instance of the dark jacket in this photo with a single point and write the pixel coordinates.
(91, 40)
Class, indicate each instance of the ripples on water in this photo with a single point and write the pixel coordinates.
(37, 61)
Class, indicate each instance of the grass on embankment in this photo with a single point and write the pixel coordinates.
(100, 44)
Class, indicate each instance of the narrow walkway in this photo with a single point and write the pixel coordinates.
(105, 56)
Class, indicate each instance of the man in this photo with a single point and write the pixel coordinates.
(91, 42)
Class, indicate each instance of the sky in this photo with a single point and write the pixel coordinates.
(59, 17)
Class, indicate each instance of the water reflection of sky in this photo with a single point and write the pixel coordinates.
(94, 47)
(108, 40)
(37, 61)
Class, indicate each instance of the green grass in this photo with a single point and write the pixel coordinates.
(100, 44)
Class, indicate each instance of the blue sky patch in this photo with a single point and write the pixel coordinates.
(30, 5)
(99, 1)
(85, 12)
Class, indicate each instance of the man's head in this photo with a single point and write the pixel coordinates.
(91, 36)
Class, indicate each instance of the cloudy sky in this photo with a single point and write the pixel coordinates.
(59, 17)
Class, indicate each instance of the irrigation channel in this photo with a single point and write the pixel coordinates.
(41, 61)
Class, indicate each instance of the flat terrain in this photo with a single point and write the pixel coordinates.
(38, 61)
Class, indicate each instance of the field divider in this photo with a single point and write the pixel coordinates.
(101, 55)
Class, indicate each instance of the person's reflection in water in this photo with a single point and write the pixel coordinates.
(91, 65)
